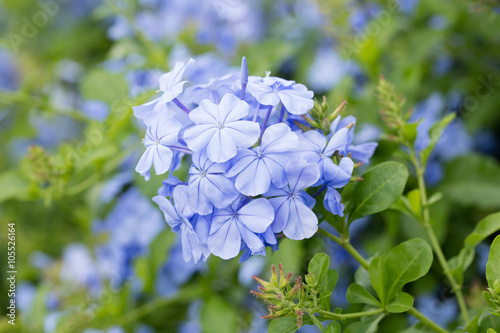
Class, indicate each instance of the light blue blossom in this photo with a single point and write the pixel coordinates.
(79, 269)
(258, 167)
(273, 90)
(171, 85)
(314, 148)
(337, 177)
(235, 224)
(220, 130)
(179, 218)
(209, 185)
(293, 205)
(163, 133)
(361, 152)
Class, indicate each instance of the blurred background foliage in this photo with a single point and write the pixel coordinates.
(93, 252)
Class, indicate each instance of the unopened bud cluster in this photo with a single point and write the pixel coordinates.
(286, 301)
(494, 299)
(321, 117)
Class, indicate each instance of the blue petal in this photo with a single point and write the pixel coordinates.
(255, 179)
(337, 142)
(363, 152)
(171, 216)
(302, 222)
(297, 100)
(278, 138)
(225, 242)
(332, 201)
(251, 240)
(301, 174)
(281, 207)
(256, 215)
(221, 147)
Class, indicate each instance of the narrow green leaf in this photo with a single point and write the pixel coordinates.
(284, 325)
(493, 265)
(378, 276)
(334, 327)
(319, 265)
(434, 135)
(357, 294)
(382, 186)
(401, 302)
(486, 227)
(459, 263)
(316, 321)
(410, 132)
(414, 200)
(434, 198)
(327, 285)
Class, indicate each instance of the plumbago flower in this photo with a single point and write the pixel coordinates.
(254, 156)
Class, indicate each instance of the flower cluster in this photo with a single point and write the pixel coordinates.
(252, 154)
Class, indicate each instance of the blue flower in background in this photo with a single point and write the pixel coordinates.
(209, 185)
(337, 177)
(273, 90)
(220, 130)
(179, 219)
(257, 168)
(163, 133)
(232, 225)
(293, 205)
(79, 269)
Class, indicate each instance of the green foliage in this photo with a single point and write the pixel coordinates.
(493, 265)
(357, 294)
(366, 324)
(381, 187)
(401, 302)
(405, 263)
(434, 134)
(218, 316)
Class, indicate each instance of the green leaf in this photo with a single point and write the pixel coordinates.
(366, 325)
(102, 85)
(434, 198)
(285, 325)
(334, 327)
(319, 265)
(414, 200)
(382, 186)
(218, 316)
(486, 227)
(316, 321)
(434, 134)
(493, 265)
(401, 302)
(357, 294)
(459, 263)
(327, 285)
(410, 132)
(405, 263)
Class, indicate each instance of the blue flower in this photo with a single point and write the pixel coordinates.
(293, 205)
(338, 176)
(220, 130)
(257, 168)
(212, 90)
(273, 90)
(208, 185)
(232, 225)
(163, 133)
(362, 152)
(170, 85)
(314, 148)
(179, 218)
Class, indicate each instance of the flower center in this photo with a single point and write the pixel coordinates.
(220, 125)
(157, 142)
(292, 195)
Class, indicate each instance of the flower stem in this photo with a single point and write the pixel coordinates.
(182, 106)
(348, 247)
(434, 241)
(282, 113)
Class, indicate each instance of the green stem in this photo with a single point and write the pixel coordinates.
(338, 316)
(426, 321)
(434, 241)
(348, 247)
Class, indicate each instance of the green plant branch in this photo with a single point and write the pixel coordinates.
(362, 261)
(342, 316)
(426, 321)
(433, 239)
